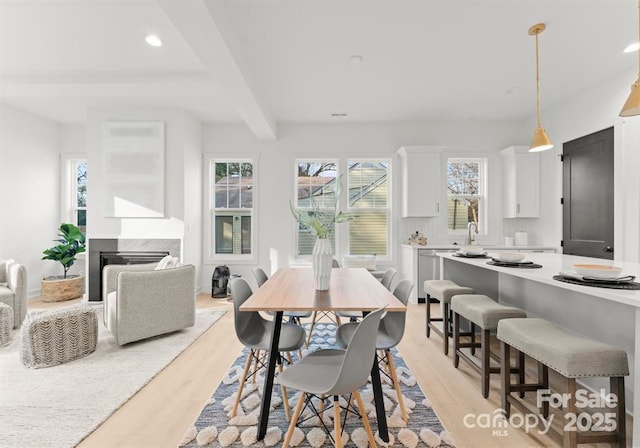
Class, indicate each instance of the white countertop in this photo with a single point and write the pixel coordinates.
(446, 246)
(553, 264)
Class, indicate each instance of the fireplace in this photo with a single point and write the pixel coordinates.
(124, 251)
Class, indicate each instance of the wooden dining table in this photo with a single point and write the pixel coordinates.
(293, 289)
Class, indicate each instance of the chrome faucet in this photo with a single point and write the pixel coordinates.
(470, 238)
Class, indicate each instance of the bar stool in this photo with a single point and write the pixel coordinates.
(572, 357)
(442, 291)
(485, 313)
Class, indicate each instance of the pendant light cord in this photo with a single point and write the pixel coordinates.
(538, 75)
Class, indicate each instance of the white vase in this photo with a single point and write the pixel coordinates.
(322, 263)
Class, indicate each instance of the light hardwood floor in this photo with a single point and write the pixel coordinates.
(162, 411)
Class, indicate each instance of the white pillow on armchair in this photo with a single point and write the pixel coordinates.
(168, 262)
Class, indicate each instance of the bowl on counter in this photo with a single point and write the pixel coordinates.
(603, 271)
(471, 249)
(512, 257)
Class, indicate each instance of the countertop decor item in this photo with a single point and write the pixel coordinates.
(417, 239)
(320, 224)
(598, 271)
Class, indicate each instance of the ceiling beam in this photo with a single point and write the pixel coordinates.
(207, 30)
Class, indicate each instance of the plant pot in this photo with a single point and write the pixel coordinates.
(57, 288)
(322, 263)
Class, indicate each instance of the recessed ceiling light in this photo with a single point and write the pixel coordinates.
(632, 47)
(153, 40)
(355, 59)
(341, 114)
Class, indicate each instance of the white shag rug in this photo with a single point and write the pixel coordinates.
(59, 406)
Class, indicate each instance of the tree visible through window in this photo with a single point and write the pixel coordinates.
(465, 193)
(315, 187)
(80, 203)
(232, 207)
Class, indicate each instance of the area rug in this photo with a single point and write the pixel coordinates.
(59, 406)
(214, 428)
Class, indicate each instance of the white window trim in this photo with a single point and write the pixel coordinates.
(345, 205)
(68, 198)
(483, 209)
(210, 257)
(297, 257)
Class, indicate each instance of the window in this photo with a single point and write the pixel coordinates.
(74, 190)
(368, 183)
(232, 207)
(80, 208)
(466, 201)
(316, 183)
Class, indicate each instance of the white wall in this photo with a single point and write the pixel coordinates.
(276, 171)
(594, 110)
(192, 246)
(29, 187)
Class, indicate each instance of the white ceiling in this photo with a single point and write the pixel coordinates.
(267, 61)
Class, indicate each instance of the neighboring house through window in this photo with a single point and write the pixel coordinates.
(466, 194)
(232, 204)
(368, 182)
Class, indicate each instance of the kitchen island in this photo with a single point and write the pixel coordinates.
(607, 315)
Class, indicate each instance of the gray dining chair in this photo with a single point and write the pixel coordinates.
(254, 332)
(386, 280)
(335, 372)
(294, 316)
(389, 335)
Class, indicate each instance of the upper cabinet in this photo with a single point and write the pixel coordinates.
(521, 182)
(421, 180)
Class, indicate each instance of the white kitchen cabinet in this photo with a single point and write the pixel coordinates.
(421, 180)
(521, 182)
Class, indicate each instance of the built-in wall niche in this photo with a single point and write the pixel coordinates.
(133, 169)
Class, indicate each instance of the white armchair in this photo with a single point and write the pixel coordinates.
(140, 302)
(13, 289)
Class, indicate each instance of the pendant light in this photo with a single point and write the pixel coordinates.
(540, 140)
(632, 106)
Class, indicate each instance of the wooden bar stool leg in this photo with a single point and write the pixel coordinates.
(445, 328)
(428, 303)
(505, 376)
(473, 338)
(543, 379)
(456, 339)
(570, 434)
(486, 366)
(617, 387)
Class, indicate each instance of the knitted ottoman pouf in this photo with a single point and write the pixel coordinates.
(6, 324)
(56, 337)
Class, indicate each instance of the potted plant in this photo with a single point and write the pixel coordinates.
(320, 224)
(65, 287)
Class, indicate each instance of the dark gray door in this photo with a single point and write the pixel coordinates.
(587, 184)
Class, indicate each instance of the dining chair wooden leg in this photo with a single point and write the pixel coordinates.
(294, 420)
(313, 323)
(247, 365)
(321, 407)
(365, 419)
(289, 358)
(336, 422)
(396, 385)
(285, 397)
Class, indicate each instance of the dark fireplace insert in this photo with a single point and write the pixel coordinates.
(131, 257)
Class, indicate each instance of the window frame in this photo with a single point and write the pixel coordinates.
(336, 232)
(388, 208)
(211, 257)
(69, 187)
(483, 209)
